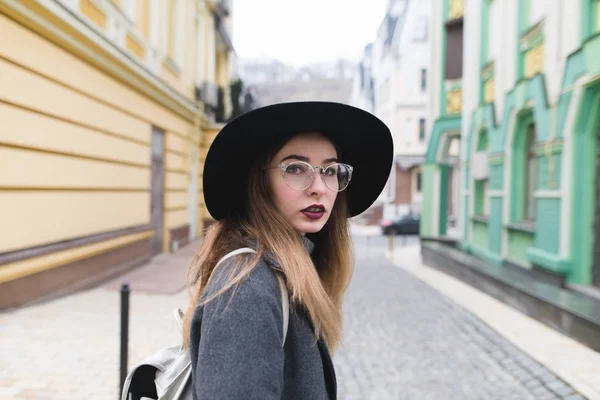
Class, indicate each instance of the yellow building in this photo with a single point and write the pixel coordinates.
(107, 108)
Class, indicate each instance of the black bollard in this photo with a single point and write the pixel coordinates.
(124, 333)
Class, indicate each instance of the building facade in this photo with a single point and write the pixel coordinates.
(410, 120)
(363, 95)
(108, 108)
(394, 73)
(524, 102)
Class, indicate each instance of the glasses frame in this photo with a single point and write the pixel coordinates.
(313, 169)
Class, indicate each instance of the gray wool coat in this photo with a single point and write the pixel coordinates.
(236, 343)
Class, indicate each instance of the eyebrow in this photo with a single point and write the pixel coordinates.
(306, 159)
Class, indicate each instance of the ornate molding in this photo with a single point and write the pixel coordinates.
(533, 36)
(489, 90)
(534, 61)
(457, 9)
(65, 28)
(454, 102)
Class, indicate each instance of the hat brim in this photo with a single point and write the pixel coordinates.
(364, 141)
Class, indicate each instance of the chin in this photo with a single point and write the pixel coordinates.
(310, 227)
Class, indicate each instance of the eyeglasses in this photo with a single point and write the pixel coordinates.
(299, 175)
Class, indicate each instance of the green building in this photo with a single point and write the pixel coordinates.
(518, 83)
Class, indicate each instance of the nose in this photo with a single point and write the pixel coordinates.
(318, 185)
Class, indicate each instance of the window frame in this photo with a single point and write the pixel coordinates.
(530, 174)
(453, 66)
(174, 31)
(482, 186)
(422, 130)
(523, 185)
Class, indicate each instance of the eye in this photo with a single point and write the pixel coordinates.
(296, 169)
(331, 170)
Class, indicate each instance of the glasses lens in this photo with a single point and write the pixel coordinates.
(298, 175)
(337, 176)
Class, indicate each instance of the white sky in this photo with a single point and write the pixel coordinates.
(300, 32)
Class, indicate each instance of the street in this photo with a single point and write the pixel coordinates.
(403, 340)
(131, 127)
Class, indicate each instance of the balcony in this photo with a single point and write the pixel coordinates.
(220, 7)
(207, 93)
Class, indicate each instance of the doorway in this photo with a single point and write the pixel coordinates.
(157, 189)
(596, 257)
(193, 195)
(449, 185)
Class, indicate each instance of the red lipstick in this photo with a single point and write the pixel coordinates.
(314, 211)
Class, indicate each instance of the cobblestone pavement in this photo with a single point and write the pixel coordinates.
(404, 340)
(69, 348)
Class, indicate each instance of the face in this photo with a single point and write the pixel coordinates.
(306, 210)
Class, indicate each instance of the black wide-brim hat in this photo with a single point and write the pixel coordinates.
(363, 140)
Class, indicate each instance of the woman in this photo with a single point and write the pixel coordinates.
(281, 180)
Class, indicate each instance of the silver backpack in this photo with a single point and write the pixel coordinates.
(166, 374)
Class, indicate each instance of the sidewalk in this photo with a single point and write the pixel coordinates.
(164, 274)
(364, 230)
(68, 348)
(576, 364)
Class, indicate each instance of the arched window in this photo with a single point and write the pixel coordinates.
(480, 173)
(531, 172)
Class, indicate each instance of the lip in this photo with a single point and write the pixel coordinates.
(314, 215)
(321, 206)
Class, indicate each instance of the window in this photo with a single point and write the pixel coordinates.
(483, 143)
(454, 49)
(420, 30)
(423, 79)
(143, 20)
(172, 23)
(486, 197)
(531, 166)
(421, 129)
(482, 202)
(480, 171)
(596, 14)
(200, 50)
(419, 182)
(384, 90)
(174, 32)
(361, 74)
(129, 7)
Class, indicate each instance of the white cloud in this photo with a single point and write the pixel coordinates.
(302, 32)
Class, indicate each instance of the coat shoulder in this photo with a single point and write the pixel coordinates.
(259, 285)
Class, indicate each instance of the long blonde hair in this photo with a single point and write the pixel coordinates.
(319, 286)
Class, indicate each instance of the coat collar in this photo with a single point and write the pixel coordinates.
(308, 244)
(270, 257)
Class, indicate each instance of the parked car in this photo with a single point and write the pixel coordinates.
(403, 225)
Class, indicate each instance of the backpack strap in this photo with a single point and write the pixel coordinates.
(285, 306)
(285, 301)
(235, 253)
